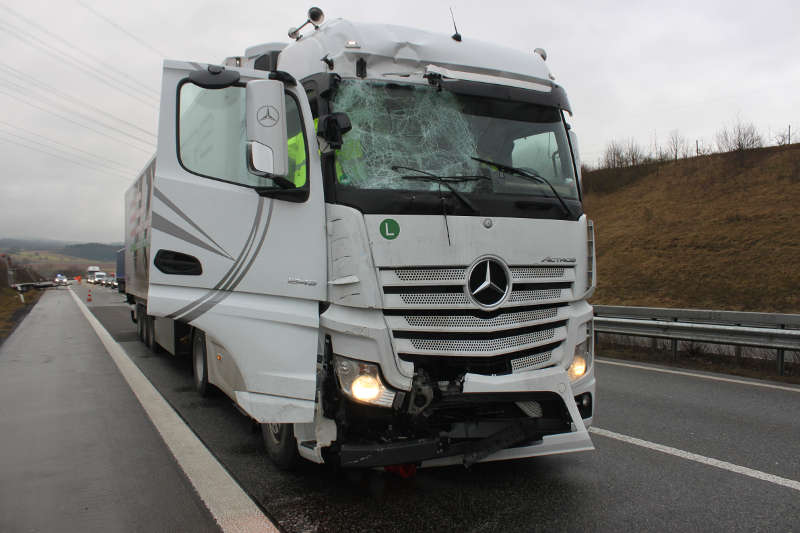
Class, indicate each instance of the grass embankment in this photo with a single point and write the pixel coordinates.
(715, 231)
(49, 263)
(12, 310)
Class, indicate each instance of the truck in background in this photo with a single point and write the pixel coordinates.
(372, 240)
(90, 272)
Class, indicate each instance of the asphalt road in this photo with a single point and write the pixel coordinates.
(620, 486)
(77, 451)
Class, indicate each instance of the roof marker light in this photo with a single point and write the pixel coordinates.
(352, 44)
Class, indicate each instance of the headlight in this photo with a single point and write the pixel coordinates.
(362, 382)
(580, 361)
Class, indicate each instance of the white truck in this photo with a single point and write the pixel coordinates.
(372, 240)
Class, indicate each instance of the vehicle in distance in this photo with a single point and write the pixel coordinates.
(381, 256)
(61, 279)
(98, 277)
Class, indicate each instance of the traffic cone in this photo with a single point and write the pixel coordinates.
(89, 298)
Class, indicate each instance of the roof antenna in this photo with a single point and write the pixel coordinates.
(456, 36)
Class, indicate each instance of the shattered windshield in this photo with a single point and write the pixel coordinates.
(439, 132)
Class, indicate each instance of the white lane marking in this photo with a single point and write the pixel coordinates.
(702, 376)
(231, 507)
(710, 461)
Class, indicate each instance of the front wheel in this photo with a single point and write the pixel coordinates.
(199, 363)
(280, 444)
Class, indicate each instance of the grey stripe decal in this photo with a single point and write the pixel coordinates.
(160, 195)
(228, 275)
(162, 224)
(221, 295)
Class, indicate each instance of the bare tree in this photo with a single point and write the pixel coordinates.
(785, 137)
(676, 145)
(634, 154)
(740, 136)
(614, 156)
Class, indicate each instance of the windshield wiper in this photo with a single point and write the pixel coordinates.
(447, 181)
(530, 175)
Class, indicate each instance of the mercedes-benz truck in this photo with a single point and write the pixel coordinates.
(372, 240)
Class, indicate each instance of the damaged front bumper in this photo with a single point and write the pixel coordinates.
(507, 439)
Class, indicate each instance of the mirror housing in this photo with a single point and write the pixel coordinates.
(267, 143)
(332, 127)
(573, 141)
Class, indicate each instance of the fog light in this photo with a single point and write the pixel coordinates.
(365, 388)
(578, 368)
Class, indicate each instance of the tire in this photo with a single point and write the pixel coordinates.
(149, 333)
(200, 364)
(280, 444)
(140, 322)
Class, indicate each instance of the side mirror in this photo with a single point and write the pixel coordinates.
(332, 127)
(573, 141)
(267, 145)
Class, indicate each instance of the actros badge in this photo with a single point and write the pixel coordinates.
(267, 116)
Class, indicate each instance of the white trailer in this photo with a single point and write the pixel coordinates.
(372, 240)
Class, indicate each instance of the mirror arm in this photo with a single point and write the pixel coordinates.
(283, 76)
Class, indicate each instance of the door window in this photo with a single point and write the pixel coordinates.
(212, 136)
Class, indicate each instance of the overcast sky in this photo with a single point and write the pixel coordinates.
(632, 69)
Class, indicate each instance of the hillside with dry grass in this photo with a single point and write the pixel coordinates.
(717, 231)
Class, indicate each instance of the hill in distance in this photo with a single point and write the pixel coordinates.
(714, 232)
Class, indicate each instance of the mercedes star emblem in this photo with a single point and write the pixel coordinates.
(488, 282)
(267, 116)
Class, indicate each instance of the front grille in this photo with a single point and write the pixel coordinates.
(536, 272)
(444, 367)
(482, 345)
(532, 296)
(435, 299)
(434, 323)
(431, 274)
(470, 321)
(531, 361)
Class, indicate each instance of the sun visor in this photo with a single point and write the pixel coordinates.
(502, 86)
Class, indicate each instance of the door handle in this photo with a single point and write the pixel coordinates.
(177, 263)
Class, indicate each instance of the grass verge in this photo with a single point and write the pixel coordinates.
(13, 310)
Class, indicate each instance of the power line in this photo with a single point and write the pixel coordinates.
(32, 40)
(51, 112)
(70, 110)
(39, 136)
(40, 150)
(37, 84)
(60, 152)
(120, 28)
(78, 49)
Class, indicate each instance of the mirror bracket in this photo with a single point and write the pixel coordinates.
(332, 127)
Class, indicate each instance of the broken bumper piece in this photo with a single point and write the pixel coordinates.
(529, 433)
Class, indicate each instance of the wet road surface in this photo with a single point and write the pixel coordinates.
(617, 487)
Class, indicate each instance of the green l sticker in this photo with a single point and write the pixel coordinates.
(390, 229)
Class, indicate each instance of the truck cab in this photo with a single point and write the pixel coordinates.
(372, 240)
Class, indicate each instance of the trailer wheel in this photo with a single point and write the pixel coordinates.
(149, 333)
(140, 322)
(200, 363)
(150, 324)
(280, 444)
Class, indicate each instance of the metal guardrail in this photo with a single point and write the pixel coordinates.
(764, 330)
(22, 287)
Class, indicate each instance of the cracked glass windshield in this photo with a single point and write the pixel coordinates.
(439, 132)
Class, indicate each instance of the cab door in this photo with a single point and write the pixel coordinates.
(235, 253)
